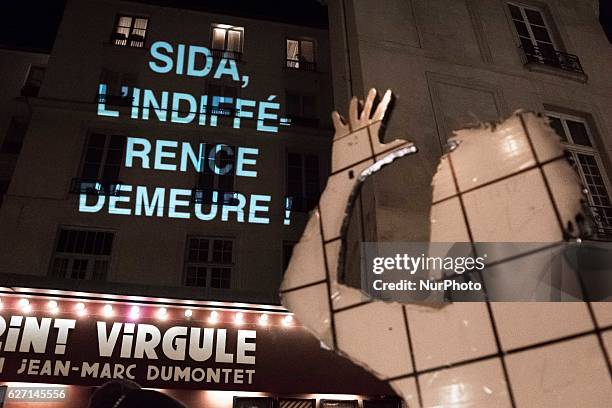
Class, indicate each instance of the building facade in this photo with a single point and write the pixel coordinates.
(453, 64)
(157, 167)
(78, 134)
(456, 64)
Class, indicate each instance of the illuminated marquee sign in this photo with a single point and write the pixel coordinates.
(68, 345)
(170, 155)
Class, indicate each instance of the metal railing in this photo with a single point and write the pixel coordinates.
(551, 57)
(205, 196)
(301, 64)
(602, 221)
(229, 54)
(300, 203)
(115, 100)
(95, 186)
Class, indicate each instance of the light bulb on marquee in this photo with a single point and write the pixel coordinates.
(239, 318)
(25, 305)
(263, 319)
(162, 313)
(214, 317)
(288, 320)
(134, 312)
(80, 309)
(107, 310)
(188, 313)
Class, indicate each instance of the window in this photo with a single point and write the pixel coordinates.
(227, 41)
(287, 252)
(33, 81)
(339, 404)
(209, 181)
(225, 91)
(580, 148)
(300, 54)
(302, 181)
(537, 40)
(82, 254)
(101, 164)
(209, 262)
(14, 136)
(296, 403)
(253, 402)
(118, 86)
(533, 32)
(302, 109)
(130, 31)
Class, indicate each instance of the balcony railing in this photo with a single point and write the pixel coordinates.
(301, 64)
(205, 196)
(602, 220)
(95, 187)
(552, 58)
(228, 54)
(115, 100)
(300, 203)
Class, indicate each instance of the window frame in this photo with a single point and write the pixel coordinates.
(224, 52)
(71, 257)
(308, 65)
(210, 264)
(548, 25)
(128, 40)
(108, 135)
(574, 149)
(303, 206)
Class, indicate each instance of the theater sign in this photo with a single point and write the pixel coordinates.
(77, 341)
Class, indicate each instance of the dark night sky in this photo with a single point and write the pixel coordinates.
(33, 24)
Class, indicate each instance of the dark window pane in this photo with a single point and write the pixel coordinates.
(578, 133)
(220, 278)
(293, 105)
(108, 243)
(555, 123)
(80, 242)
(521, 28)
(100, 270)
(60, 265)
(534, 17)
(515, 12)
(541, 34)
(79, 269)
